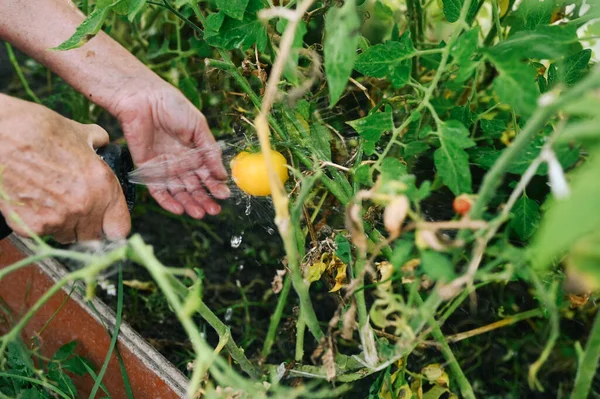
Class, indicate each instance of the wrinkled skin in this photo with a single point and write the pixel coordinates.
(53, 179)
(159, 123)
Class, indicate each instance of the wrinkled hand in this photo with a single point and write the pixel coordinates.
(53, 179)
(174, 149)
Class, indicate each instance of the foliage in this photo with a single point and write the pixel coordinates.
(28, 375)
(417, 103)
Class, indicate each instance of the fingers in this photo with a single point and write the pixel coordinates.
(117, 221)
(217, 188)
(211, 207)
(213, 160)
(166, 200)
(90, 228)
(97, 136)
(192, 208)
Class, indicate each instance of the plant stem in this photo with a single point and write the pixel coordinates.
(363, 314)
(465, 386)
(115, 336)
(493, 178)
(276, 317)
(335, 187)
(234, 350)
(300, 328)
(588, 363)
(19, 71)
(204, 355)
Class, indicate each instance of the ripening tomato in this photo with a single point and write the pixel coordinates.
(462, 204)
(503, 7)
(249, 172)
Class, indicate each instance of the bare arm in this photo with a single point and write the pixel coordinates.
(102, 69)
(159, 123)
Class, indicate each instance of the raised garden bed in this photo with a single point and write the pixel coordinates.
(67, 317)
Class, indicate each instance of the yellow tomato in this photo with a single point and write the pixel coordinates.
(503, 7)
(249, 172)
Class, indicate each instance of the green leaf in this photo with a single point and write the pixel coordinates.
(516, 86)
(214, 21)
(392, 169)
(87, 30)
(585, 131)
(372, 126)
(463, 52)
(65, 383)
(291, 66)
(77, 365)
(320, 137)
(401, 253)
(235, 34)
(546, 42)
(465, 47)
(542, 84)
(437, 266)
(567, 156)
(552, 75)
(525, 217)
(414, 148)
(568, 220)
(531, 14)
(341, 39)
(189, 87)
(30, 393)
(19, 358)
(135, 7)
(362, 174)
(492, 128)
(343, 250)
(233, 8)
(462, 114)
(391, 59)
(575, 65)
(64, 351)
(452, 9)
(451, 161)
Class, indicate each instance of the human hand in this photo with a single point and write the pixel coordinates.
(53, 180)
(171, 142)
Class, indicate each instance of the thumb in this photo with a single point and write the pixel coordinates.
(96, 136)
(116, 223)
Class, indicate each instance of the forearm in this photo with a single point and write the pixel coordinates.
(101, 69)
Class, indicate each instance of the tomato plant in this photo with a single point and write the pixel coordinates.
(474, 124)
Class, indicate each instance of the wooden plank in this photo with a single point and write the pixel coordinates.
(150, 374)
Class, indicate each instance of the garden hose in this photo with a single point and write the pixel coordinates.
(119, 160)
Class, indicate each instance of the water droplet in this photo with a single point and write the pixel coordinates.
(241, 267)
(270, 230)
(248, 206)
(236, 241)
(228, 314)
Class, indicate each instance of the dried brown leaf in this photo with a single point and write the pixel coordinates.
(329, 364)
(428, 239)
(394, 214)
(146, 286)
(277, 283)
(349, 322)
(354, 223)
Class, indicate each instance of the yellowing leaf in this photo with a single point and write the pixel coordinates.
(147, 286)
(315, 271)
(340, 277)
(385, 269)
(432, 372)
